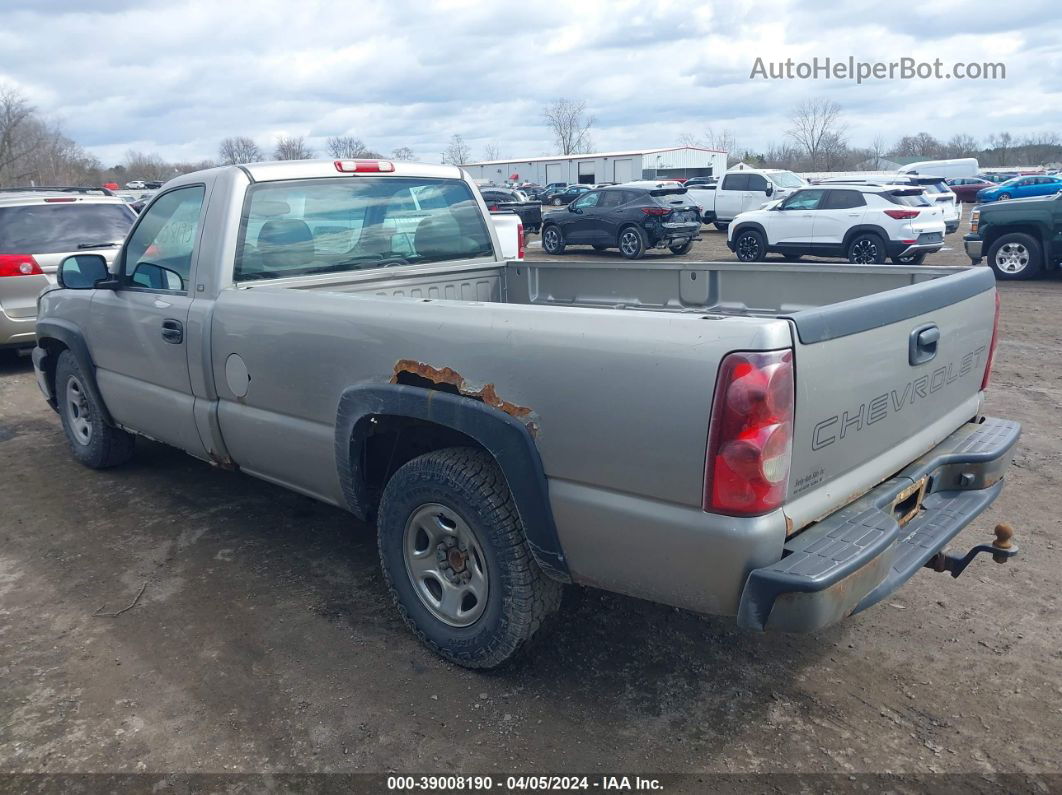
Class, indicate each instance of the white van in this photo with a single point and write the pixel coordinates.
(948, 169)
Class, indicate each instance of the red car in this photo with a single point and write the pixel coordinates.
(965, 188)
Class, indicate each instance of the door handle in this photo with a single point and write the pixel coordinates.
(173, 331)
(923, 344)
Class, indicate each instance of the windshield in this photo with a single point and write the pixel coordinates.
(62, 227)
(330, 225)
(786, 179)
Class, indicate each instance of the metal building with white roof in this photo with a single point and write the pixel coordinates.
(589, 169)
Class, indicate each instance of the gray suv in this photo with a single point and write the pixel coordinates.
(40, 227)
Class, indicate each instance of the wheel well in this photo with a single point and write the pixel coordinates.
(748, 227)
(863, 230)
(388, 441)
(995, 234)
(54, 348)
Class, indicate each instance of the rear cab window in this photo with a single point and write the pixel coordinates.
(329, 225)
(735, 182)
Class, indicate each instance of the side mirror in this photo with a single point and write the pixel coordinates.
(572, 208)
(769, 191)
(82, 272)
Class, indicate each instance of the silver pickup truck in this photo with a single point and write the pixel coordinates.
(782, 443)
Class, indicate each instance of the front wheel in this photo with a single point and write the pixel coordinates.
(632, 243)
(1004, 196)
(866, 249)
(552, 240)
(92, 442)
(456, 561)
(1015, 256)
(750, 246)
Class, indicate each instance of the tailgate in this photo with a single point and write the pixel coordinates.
(874, 391)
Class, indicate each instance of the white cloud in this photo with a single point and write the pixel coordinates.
(177, 76)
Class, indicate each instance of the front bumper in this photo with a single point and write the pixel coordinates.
(859, 555)
(974, 247)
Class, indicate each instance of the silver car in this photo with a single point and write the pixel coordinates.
(38, 228)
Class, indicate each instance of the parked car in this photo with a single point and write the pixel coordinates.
(38, 229)
(952, 168)
(534, 192)
(999, 177)
(499, 199)
(1021, 239)
(136, 184)
(1021, 188)
(632, 219)
(563, 196)
(742, 190)
(153, 184)
(936, 188)
(555, 186)
(718, 437)
(966, 188)
(863, 223)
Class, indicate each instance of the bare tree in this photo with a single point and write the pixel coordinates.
(817, 129)
(347, 146)
(291, 148)
(724, 140)
(1001, 144)
(568, 121)
(457, 152)
(142, 165)
(19, 134)
(492, 152)
(403, 153)
(239, 149)
(960, 145)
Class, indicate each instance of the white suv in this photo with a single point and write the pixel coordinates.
(936, 189)
(863, 223)
(39, 227)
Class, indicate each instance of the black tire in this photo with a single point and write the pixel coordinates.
(682, 249)
(722, 227)
(1016, 256)
(632, 242)
(92, 442)
(914, 259)
(552, 240)
(599, 247)
(866, 248)
(519, 596)
(750, 246)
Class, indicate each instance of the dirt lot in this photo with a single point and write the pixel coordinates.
(264, 639)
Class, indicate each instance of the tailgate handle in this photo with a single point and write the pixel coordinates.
(923, 344)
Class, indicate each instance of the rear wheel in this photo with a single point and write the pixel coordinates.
(556, 202)
(913, 259)
(866, 249)
(92, 442)
(750, 246)
(683, 248)
(552, 240)
(632, 242)
(456, 561)
(1016, 256)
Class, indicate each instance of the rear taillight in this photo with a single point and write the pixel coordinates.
(656, 210)
(19, 265)
(364, 166)
(520, 241)
(750, 438)
(901, 215)
(991, 347)
(975, 220)
(492, 207)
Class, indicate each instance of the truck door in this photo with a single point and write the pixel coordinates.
(730, 195)
(755, 193)
(137, 332)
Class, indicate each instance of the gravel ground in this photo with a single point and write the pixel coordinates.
(263, 638)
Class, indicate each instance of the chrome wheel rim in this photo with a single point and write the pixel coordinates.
(557, 202)
(1012, 258)
(629, 243)
(748, 247)
(1004, 196)
(551, 240)
(77, 412)
(864, 251)
(446, 565)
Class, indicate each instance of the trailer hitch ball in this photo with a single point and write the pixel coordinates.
(1004, 532)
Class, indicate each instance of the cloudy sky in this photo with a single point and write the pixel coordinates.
(176, 76)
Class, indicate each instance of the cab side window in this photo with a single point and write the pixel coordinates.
(159, 253)
(736, 182)
(756, 182)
